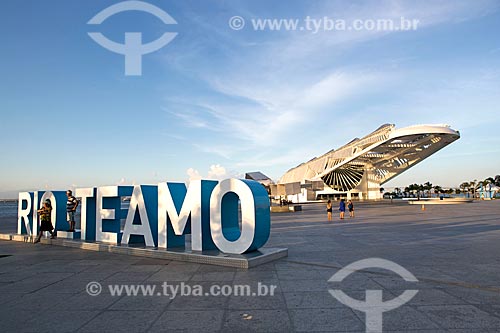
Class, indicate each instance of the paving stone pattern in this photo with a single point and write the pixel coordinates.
(454, 251)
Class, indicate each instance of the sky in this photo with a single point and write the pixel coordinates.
(217, 102)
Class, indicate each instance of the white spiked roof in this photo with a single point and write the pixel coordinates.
(386, 152)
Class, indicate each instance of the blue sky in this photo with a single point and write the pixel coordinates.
(217, 102)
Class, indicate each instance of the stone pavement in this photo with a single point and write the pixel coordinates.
(453, 250)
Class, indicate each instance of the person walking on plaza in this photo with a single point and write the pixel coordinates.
(342, 208)
(71, 206)
(329, 209)
(350, 206)
(45, 224)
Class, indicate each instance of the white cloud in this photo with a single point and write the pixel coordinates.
(290, 80)
(277, 95)
(193, 174)
(274, 116)
(337, 86)
(215, 172)
(124, 181)
(191, 120)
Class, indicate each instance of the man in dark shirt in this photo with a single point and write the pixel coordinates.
(71, 206)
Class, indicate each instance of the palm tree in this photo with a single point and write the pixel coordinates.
(465, 188)
(428, 187)
(497, 180)
(407, 191)
(438, 189)
(473, 187)
(414, 188)
(397, 190)
(486, 184)
(420, 189)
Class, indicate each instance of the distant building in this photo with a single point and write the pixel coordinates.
(259, 177)
(358, 169)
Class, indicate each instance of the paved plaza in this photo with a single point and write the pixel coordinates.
(453, 250)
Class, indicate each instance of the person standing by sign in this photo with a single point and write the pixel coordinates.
(350, 206)
(45, 224)
(329, 209)
(71, 206)
(342, 208)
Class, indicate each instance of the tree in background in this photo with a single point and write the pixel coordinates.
(427, 187)
(438, 189)
(465, 188)
(413, 189)
(473, 187)
(407, 191)
(397, 190)
(486, 186)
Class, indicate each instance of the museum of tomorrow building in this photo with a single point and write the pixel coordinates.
(359, 168)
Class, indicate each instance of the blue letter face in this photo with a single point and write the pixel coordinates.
(30, 202)
(255, 213)
(162, 215)
(109, 213)
(88, 212)
(141, 223)
(58, 202)
(182, 211)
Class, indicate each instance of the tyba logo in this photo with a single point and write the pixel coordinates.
(133, 49)
(373, 306)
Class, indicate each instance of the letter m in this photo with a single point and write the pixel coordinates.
(184, 211)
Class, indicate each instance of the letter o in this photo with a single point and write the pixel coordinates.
(255, 216)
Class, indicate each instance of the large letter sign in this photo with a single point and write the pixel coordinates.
(138, 222)
(88, 212)
(224, 222)
(178, 207)
(30, 202)
(161, 216)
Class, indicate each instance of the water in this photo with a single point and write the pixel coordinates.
(8, 209)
